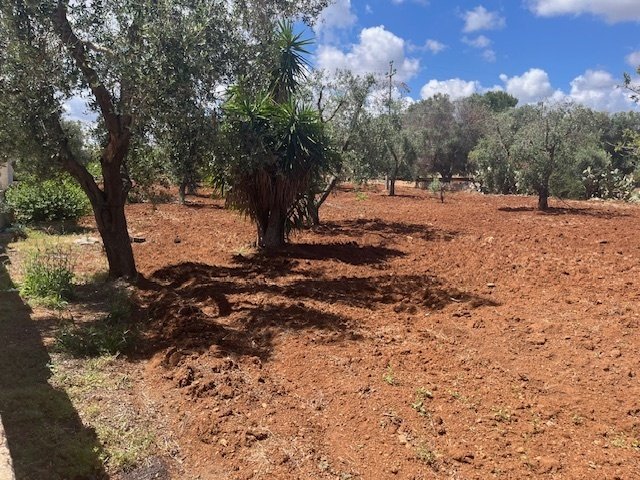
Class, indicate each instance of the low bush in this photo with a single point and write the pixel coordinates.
(48, 275)
(49, 200)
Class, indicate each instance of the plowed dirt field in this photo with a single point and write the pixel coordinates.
(401, 339)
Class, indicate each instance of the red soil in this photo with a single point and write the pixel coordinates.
(403, 338)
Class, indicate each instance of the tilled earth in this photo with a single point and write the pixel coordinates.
(403, 338)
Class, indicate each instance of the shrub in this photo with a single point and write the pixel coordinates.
(48, 275)
(435, 186)
(608, 183)
(49, 200)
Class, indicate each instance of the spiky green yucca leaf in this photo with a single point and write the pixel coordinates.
(292, 66)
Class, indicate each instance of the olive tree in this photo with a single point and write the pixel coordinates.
(446, 132)
(547, 142)
(341, 101)
(493, 157)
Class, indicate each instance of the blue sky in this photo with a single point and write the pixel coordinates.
(534, 49)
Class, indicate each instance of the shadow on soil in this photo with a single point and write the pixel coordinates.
(190, 306)
(587, 212)
(242, 309)
(350, 253)
(356, 228)
(45, 434)
(202, 206)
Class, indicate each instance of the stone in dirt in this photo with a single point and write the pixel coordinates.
(462, 456)
(87, 241)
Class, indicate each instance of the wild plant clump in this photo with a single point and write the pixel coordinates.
(111, 335)
(48, 275)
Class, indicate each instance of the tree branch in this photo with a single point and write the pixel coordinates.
(78, 51)
(67, 160)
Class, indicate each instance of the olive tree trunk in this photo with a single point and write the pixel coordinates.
(107, 201)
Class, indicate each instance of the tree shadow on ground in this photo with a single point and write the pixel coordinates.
(46, 437)
(243, 308)
(350, 253)
(356, 228)
(587, 212)
(203, 206)
(191, 306)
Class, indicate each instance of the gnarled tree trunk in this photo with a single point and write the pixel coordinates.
(112, 225)
(107, 202)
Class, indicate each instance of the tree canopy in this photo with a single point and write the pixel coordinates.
(146, 68)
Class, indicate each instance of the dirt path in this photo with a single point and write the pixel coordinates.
(402, 339)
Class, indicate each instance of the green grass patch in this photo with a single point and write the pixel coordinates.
(110, 335)
(97, 387)
(48, 276)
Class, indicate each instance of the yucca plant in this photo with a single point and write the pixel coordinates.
(276, 143)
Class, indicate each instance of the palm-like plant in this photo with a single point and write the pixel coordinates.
(277, 144)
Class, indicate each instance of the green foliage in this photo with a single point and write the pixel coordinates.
(435, 186)
(496, 100)
(366, 157)
(608, 183)
(51, 200)
(446, 131)
(361, 196)
(550, 150)
(123, 57)
(149, 171)
(110, 335)
(101, 338)
(546, 144)
(48, 276)
(419, 404)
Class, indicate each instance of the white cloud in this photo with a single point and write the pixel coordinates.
(434, 46)
(336, 16)
(430, 45)
(454, 87)
(489, 55)
(371, 54)
(481, 42)
(478, 42)
(532, 86)
(633, 59)
(599, 90)
(610, 10)
(482, 19)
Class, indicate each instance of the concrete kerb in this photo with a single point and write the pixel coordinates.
(6, 466)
